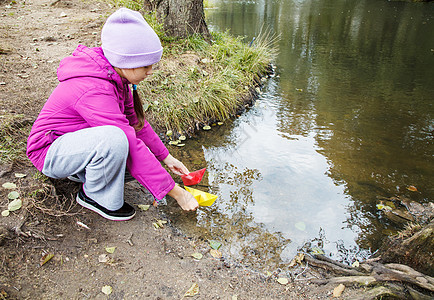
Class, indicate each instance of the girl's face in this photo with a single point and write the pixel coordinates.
(137, 74)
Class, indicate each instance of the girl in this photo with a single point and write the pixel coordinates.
(93, 127)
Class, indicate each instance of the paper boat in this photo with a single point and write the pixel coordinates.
(193, 177)
(203, 198)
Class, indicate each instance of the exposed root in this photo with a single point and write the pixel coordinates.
(59, 206)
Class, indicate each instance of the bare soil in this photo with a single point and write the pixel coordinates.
(147, 262)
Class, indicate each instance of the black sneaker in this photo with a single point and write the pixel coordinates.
(124, 213)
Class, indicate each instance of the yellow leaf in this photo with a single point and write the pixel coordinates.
(206, 127)
(215, 253)
(13, 195)
(338, 290)
(197, 255)
(107, 290)
(161, 223)
(15, 205)
(5, 213)
(46, 258)
(194, 290)
(9, 185)
(110, 250)
(282, 280)
(143, 207)
(412, 188)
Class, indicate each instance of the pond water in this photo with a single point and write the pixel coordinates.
(346, 119)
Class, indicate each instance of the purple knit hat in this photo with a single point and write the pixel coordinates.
(128, 41)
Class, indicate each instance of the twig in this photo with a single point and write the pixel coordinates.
(129, 241)
(307, 265)
(17, 229)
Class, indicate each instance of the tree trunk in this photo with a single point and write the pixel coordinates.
(181, 18)
(415, 250)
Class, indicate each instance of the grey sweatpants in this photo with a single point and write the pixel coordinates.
(98, 157)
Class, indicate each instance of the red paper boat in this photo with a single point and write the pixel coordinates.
(193, 177)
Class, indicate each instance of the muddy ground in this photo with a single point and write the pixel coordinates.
(147, 262)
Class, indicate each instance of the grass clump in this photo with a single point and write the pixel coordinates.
(13, 136)
(197, 82)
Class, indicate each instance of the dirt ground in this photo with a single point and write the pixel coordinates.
(147, 262)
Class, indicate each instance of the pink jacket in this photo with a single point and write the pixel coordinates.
(90, 94)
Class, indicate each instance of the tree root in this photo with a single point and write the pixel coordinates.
(381, 276)
(332, 266)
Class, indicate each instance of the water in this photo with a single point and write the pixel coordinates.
(347, 118)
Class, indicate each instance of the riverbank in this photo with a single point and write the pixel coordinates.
(50, 247)
(146, 261)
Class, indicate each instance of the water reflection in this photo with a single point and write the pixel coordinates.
(348, 119)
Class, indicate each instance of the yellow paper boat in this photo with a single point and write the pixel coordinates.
(203, 198)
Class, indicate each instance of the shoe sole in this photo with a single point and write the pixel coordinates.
(74, 179)
(101, 213)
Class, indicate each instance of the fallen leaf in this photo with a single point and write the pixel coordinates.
(282, 280)
(300, 226)
(268, 274)
(215, 253)
(412, 188)
(355, 264)
(182, 138)
(15, 205)
(194, 290)
(215, 244)
(144, 207)
(174, 142)
(180, 145)
(13, 195)
(20, 175)
(381, 206)
(300, 257)
(337, 292)
(219, 123)
(197, 255)
(103, 258)
(110, 250)
(161, 223)
(206, 127)
(234, 297)
(156, 225)
(390, 204)
(45, 258)
(169, 133)
(9, 185)
(317, 250)
(82, 225)
(5, 213)
(107, 290)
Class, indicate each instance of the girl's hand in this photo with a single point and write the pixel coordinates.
(175, 165)
(184, 198)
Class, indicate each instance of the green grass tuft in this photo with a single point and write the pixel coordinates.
(198, 82)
